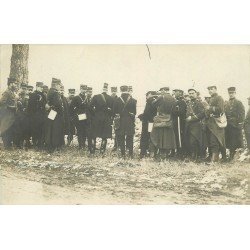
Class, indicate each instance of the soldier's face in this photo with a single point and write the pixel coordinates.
(148, 96)
(38, 88)
(232, 94)
(192, 94)
(212, 91)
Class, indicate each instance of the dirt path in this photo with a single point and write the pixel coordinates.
(73, 178)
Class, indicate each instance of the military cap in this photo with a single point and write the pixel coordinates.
(83, 87)
(211, 87)
(45, 87)
(124, 88)
(30, 87)
(11, 80)
(39, 84)
(105, 86)
(151, 92)
(178, 90)
(23, 85)
(71, 91)
(164, 88)
(113, 89)
(56, 81)
(89, 89)
(193, 90)
(231, 89)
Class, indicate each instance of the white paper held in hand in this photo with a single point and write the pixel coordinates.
(82, 117)
(150, 126)
(52, 114)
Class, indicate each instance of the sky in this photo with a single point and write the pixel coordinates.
(176, 66)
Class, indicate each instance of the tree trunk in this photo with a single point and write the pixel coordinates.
(19, 62)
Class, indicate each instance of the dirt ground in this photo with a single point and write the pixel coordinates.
(72, 177)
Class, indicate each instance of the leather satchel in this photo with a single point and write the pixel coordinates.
(221, 121)
(162, 121)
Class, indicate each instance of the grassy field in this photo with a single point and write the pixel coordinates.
(72, 177)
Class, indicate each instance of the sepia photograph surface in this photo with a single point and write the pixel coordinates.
(124, 124)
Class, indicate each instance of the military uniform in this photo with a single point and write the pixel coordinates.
(235, 113)
(114, 97)
(125, 108)
(194, 128)
(79, 106)
(215, 134)
(179, 111)
(71, 116)
(54, 134)
(37, 115)
(8, 105)
(102, 105)
(146, 117)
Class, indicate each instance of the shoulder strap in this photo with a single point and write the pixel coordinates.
(103, 98)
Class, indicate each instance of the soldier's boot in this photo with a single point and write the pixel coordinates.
(232, 154)
(103, 146)
(215, 157)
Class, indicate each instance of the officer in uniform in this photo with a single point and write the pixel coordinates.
(8, 105)
(66, 114)
(37, 115)
(22, 122)
(147, 117)
(54, 134)
(102, 106)
(125, 111)
(71, 95)
(247, 126)
(179, 121)
(115, 97)
(78, 108)
(215, 134)
(235, 113)
(194, 128)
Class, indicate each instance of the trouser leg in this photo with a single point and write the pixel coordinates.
(122, 144)
(130, 144)
(103, 145)
(7, 138)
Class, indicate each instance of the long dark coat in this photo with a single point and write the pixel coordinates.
(66, 115)
(54, 134)
(164, 138)
(37, 113)
(147, 116)
(194, 127)
(179, 110)
(102, 105)
(216, 107)
(8, 104)
(235, 113)
(125, 106)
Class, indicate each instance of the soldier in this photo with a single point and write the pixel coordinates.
(78, 108)
(179, 120)
(147, 117)
(21, 122)
(247, 126)
(37, 115)
(115, 97)
(194, 127)
(54, 134)
(8, 104)
(71, 95)
(215, 133)
(102, 105)
(66, 114)
(45, 90)
(235, 113)
(125, 111)
(90, 115)
(162, 135)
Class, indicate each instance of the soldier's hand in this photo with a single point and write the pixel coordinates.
(47, 107)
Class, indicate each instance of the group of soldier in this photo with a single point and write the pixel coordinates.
(174, 125)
